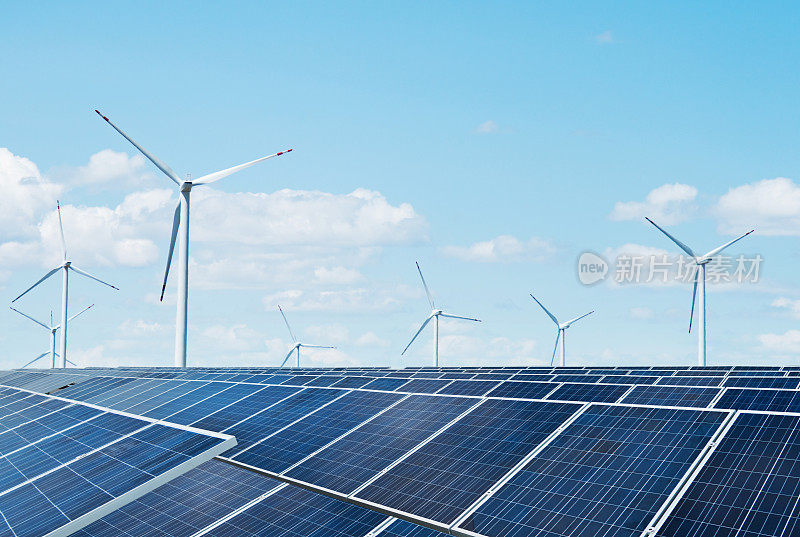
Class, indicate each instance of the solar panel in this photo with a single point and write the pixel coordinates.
(672, 396)
(468, 387)
(385, 383)
(294, 512)
(446, 475)
(423, 385)
(523, 390)
(242, 408)
(786, 383)
(401, 528)
(220, 400)
(601, 393)
(350, 461)
(690, 381)
(607, 473)
(752, 399)
(749, 485)
(290, 445)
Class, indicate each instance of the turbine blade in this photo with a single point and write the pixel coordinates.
(160, 165)
(95, 278)
(425, 285)
(555, 348)
(673, 239)
(459, 317)
(37, 283)
(71, 362)
(553, 317)
(216, 176)
(61, 229)
(715, 251)
(579, 318)
(694, 297)
(287, 323)
(288, 356)
(316, 346)
(36, 359)
(421, 328)
(31, 318)
(176, 222)
(80, 312)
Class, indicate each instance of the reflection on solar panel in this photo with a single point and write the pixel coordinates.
(672, 396)
(446, 475)
(750, 399)
(350, 461)
(786, 383)
(607, 473)
(601, 393)
(294, 512)
(749, 485)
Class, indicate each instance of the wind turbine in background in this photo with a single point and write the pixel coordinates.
(65, 267)
(435, 314)
(562, 332)
(52, 328)
(700, 276)
(297, 344)
(180, 223)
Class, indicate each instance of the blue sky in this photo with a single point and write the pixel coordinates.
(419, 130)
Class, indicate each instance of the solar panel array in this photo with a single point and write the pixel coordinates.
(420, 452)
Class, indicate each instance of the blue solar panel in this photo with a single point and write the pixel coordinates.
(294, 512)
(600, 393)
(350, 461)
(352, 382)
(785, 383)
(388, 384)
(751, 399)
(750, 485)
(446, 475)
(672, 396)
(523, 390)
(578, 378)
(216, 402)
(324, 381)
(607, 473)
(263, 424)
(690, 381)
(170, 406)
(289, 446)
(469, 387)
(243, 408)
(401, 528)
(423, 385)
(629, 379)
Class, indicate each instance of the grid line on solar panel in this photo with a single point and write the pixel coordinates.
(449, 472)
(684, 396)
(765, 399)
(608, 473)
(587, 393)
(786, 383)
(748, 484)
(512, 389)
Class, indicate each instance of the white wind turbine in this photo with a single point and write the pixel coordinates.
(297, 344)
(562, 332)
(52, 328)
(65, 267)
(435, 314)
(180, 223)
(700, 276)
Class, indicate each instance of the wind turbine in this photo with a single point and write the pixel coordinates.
(435, 314)
(180, 223)
(65, 266)
(297, 344)
(52, 328)
(700, 276)
(562, 332)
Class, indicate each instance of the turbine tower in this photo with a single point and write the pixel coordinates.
(66, 266)
(562, 332)
(700, 277)
(435, 314)
(297, 344)
(52, 328)
(180, 223)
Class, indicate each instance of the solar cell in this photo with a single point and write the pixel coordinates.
(352, 382)
(469, 387)
(601, 393)
(523, 390)
(689, 381)
(752, 399)
(242, 408)
(607, 473)
(388, 384)
(748, 487)
(446, 475)
(785, 383)
(423, 385)
(216, 402)
(173, 404)
(671, 396)
(401, 528)
(350, 461)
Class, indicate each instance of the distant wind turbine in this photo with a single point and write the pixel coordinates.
(562, 332)
(65, 266)
(297, 344)
(52, 328)
(700, 276)
(180, 223)
(435, 314)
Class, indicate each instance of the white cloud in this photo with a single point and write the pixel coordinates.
(140, 327)
(771, 206)
(604, 38)
(371, 339)
(472, 350)
(238, 337)
(502, 249)
(331, 334)
(789, 304)
(107, 166)
(788, 342)
(641, 313)
(337, 275)
(354, 299)
(668, 204)
(25, 193)
(487, 127)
